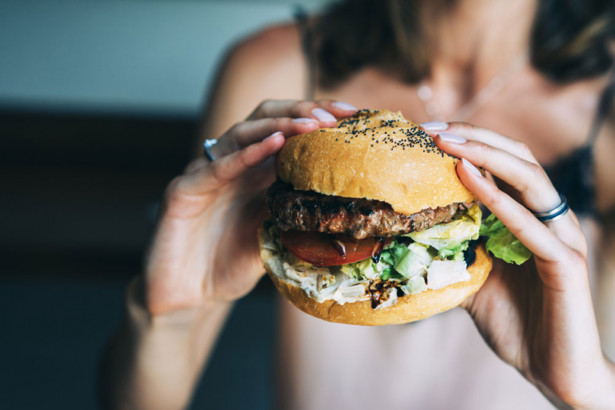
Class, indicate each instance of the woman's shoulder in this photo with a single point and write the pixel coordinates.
(265, 65)
(605, 164)
(272, 56)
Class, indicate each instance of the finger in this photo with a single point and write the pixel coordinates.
(249, 132)
(325, 112)
(535, 189)
(535, 235)
(214, 175)
(528, 178)
(470, 132)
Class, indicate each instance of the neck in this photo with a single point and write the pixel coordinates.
(472, 41)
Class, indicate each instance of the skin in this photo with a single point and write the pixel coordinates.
(548, 333)
(204, 254)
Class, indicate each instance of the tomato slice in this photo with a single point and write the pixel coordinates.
(322, 249)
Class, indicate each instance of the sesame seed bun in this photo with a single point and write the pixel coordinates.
(375, 155)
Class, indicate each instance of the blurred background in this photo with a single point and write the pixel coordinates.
(99, 108)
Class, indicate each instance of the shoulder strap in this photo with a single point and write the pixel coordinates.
(307, 46)
(604, 108)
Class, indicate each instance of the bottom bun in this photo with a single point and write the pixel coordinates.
(409, 308)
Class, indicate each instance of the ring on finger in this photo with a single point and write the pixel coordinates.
(555, 213)
(207, 146)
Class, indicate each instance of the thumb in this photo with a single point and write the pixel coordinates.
(204, 176)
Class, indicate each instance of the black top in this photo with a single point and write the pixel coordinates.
(572, 175)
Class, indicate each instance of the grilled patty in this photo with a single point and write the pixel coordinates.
(360, 218)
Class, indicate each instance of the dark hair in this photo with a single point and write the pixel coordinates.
(569, 42)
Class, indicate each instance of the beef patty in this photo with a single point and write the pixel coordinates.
(360, 218)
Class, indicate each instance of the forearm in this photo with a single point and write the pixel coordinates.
(605, 288)
(154, 362)
(603, 396)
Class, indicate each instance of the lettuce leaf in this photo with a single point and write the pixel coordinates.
(393, 254)
(415, 284)
(365, 269)
(451, 238)
(445, 242)
(501, 243)
(415, 261)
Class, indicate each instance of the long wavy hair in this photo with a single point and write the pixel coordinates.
(570, 39)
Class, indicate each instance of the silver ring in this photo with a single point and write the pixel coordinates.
(207, 146)
(555, 213)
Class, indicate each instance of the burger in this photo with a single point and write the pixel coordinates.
(370, 224)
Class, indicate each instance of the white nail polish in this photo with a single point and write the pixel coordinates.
(275, 134)
(304, 120)
(454, 138)
(434, 126)
(344, 106)
(471, 167)
(323, 115)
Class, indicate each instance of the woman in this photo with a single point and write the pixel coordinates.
(462, 60)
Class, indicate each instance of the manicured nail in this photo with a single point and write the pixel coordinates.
(275, 134)
(323, 115)
(471, 167)
(434, 126)
(344, 106)
(454, 138)
(305, 120)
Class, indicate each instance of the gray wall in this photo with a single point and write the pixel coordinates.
(132, 55)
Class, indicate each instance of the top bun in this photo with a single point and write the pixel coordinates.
(375, 155)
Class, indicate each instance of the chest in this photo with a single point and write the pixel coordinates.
(552, 121)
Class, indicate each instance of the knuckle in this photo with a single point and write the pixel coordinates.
(482, 152)
(244, 158)
(280, 123)
(172, 191)
(576, 259)
(532, 181)
(539, 174)
(304, 108)
(324, 102)
(492, 197)
(582, 246)
(522, 149)
(235, 128)
(535, 170)
(534, 173)
(265, 105)
(217, 175)
(262, 108)
(173, 185)
(465, 126)
(193, 166)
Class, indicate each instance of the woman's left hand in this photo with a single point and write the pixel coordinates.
(538, 317)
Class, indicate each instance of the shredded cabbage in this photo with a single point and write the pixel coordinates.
(444, 273)
(451, 238)
(415, 261)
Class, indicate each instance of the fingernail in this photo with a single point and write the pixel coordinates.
(344, 106)
(471, 167)
(275, 134)
(323, 115)
(434, 126)
(305, 120)
(454, 138)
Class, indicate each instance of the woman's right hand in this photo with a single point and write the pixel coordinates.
(205, 248)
